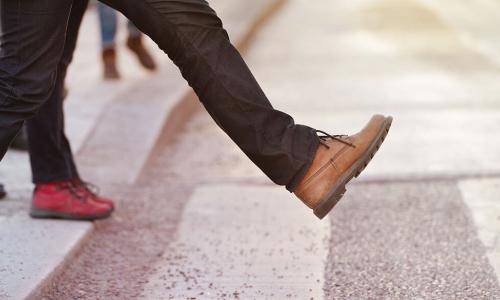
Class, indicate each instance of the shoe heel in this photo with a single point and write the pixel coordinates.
(327, 205)
(41, 213)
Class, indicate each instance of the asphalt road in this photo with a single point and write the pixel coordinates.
(202, 222)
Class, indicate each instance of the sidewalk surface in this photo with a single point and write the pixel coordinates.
(199, 221)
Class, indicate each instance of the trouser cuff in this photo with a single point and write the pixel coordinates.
(297, 178)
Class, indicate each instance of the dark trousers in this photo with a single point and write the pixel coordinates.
(50, 152)
(32, 43)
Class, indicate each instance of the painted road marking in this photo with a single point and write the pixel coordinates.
(483, 199)
(244, 241)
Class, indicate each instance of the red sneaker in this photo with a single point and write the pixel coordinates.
(88, 189)
(63, 200)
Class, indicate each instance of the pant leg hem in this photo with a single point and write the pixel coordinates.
(53, 178)
(297, 178)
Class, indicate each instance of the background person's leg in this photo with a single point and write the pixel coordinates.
(190, 32)
(133, 31)
(50, 151)
(136, 45)
(31, 44)
(108, 21)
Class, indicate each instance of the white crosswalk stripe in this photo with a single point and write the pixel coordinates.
(482, 198)
(249, 242)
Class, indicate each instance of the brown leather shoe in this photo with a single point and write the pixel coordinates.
(136, 45)
(338, 159)
(110, 71)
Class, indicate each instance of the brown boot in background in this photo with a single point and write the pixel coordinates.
(110, 71)
(338, 159)
(136, 45)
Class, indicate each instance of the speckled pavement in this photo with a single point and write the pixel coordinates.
(407, 241)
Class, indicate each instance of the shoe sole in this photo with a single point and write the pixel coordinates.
(38, 213)
(339, 189)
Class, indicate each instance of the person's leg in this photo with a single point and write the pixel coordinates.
(190, 32)
(133, 31)
(31, 44)
(136, 45)
(59, 192)
(20, 142)
(108, 21)
(50, 152)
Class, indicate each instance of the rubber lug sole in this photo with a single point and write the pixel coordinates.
(338, 191)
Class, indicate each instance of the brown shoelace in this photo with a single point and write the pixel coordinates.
(338, 137)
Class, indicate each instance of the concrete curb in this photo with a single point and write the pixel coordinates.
(53, 276)
(176, 115)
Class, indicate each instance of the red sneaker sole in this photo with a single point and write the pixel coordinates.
(38, 213)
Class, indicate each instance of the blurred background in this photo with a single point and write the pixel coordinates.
(196, 219)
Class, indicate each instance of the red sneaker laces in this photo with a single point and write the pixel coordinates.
(87, 188)
(72, 189)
